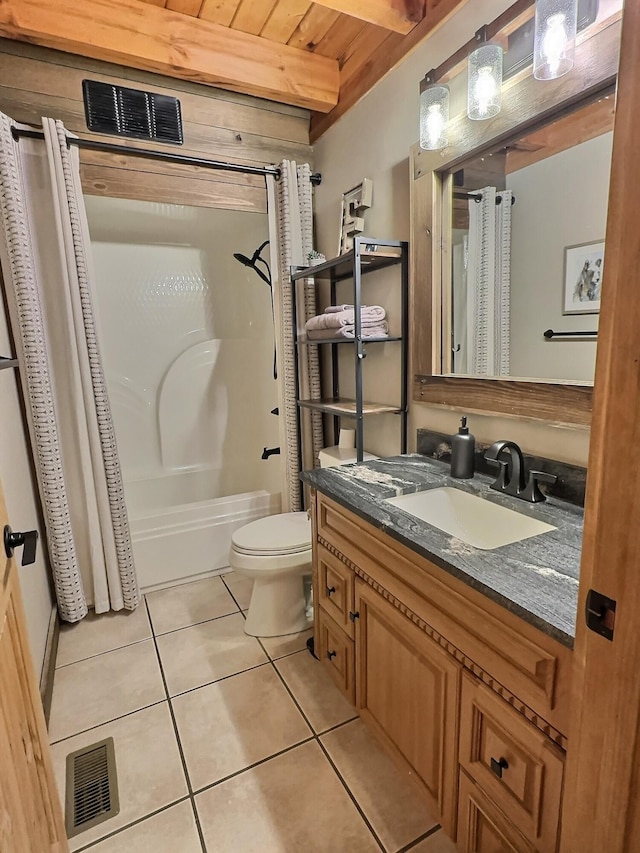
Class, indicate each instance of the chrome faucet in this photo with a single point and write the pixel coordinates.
(507, 456)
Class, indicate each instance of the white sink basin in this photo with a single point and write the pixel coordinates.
(473, 520)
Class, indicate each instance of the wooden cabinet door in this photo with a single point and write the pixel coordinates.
(407, 690)
(482, 828)
(30, 812)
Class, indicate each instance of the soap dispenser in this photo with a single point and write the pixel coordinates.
(463, 448)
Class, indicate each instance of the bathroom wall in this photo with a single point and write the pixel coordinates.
(560, 201)
(373, 140)
(23, 505)
(36, 81)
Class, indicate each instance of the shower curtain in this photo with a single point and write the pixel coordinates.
(48, 280)
(489, 282)
(290, 211)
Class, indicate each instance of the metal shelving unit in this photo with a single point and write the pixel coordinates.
(367, 256)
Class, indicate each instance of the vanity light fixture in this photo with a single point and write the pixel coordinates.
(484, 74)
(554, 41)
(434, 114)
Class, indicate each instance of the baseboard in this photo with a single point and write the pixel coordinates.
(49, 663)
(213, 573)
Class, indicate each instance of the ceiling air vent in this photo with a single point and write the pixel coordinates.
(119, 111)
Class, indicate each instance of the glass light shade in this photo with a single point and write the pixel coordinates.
(484, 90)
(434, 117)
(554, 41)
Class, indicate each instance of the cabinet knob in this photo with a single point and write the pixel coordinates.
(330, 590)
(353, 616)
(498, 766)
(331, 655)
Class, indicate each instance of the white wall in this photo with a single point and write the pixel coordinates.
(22, 505)
(373, 140)
(560, 201)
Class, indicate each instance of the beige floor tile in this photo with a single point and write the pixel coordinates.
(294, 802)
(102, 633)
(436, 843)
(384, 793)
(240, 587)
(229, 725)
(278, 647)
(148, 767)
(99, 689)
(315, 692)
(180, 606)
(172, 831)
(203, 653)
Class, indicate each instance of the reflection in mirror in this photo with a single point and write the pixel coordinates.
(526, 251)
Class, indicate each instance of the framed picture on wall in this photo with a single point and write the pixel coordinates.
(583, 265)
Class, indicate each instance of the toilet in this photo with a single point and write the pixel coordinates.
(275, 552)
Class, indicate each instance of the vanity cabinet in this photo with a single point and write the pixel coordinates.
(469, 698)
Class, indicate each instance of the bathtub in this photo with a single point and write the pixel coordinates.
(181, 530)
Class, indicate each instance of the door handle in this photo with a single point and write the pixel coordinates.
(13, 540)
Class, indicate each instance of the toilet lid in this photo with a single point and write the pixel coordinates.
(288, 533)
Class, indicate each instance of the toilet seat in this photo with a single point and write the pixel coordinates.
(285, 534)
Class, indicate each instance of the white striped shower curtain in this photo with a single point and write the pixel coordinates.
(489, 283)
(291, 211)
(46, 266)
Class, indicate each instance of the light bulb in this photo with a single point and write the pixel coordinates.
(484, 86)
(485, 89)
(434, 123)
(554, 42)
(434, 116)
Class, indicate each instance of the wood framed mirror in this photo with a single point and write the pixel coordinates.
(529, 140)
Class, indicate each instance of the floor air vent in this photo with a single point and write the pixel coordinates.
(119, 111)
(92, 787)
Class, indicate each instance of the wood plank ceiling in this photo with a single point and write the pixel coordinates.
(322, 55)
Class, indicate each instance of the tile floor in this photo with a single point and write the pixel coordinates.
(225, 743)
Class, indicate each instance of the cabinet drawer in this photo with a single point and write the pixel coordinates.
(481, 826)
(335, 589)
(336, 651)
(513, 762)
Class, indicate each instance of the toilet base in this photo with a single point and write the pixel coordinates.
(277, 607)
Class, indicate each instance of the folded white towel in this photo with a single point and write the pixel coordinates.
(341, 318)
(371, 312)
(376, 330)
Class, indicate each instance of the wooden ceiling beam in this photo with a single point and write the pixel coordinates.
(143, 36)
(400, 16)
(393, 51)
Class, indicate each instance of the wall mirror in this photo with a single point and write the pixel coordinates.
(508, 227)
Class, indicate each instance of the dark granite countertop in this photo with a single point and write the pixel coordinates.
(536, 579)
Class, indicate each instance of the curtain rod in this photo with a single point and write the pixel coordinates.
(91, 145)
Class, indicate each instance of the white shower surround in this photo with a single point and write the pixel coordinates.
(188, 356)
